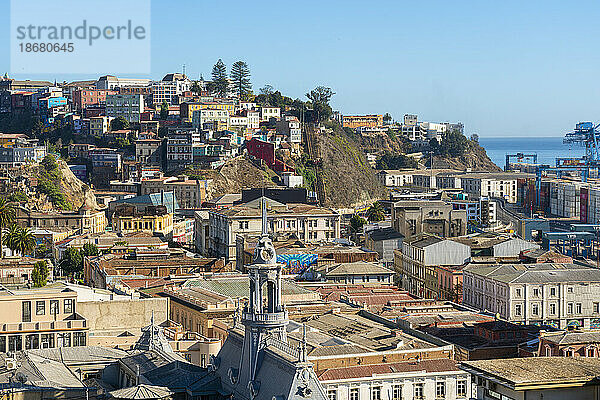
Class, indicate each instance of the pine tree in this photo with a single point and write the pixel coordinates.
(240, 78)
(219, 84)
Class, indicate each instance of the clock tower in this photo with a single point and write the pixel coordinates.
(264, 316)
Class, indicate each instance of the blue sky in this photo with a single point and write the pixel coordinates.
(502, 68)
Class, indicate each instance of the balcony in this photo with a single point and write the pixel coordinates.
(265, 318)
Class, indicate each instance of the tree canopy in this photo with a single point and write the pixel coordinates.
(240, 79)
(395, 161)
(40, 273)
(119, 124)
(319, 98)
(220, 83)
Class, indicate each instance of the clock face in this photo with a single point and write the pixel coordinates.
(266, 254)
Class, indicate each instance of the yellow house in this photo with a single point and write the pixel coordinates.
(154, 220)
(9, 139)
(186, 110)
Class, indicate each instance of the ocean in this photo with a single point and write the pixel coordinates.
(546, 148)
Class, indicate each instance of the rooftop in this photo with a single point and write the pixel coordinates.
(536, 273)
(527, 373)
(367, 371)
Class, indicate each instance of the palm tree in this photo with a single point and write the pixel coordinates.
(7, 216)
(376, 213)
(20, 240)
(10, 234)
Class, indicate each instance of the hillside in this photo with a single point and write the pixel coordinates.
(236, 174)
(58, 188)
(475, 158)
(347, 177)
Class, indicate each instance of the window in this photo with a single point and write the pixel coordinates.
(64, 339)
(518, 310)
(78, 338)
(418, 392)
(552, 309)
(535, 309)
(54, 307)
(578, 308)
(461, 388)
(518, 292)
(354, 393)
(32, 341)
(331, 394)
(570, 289)
(15, 343)
(440, 390)
(553, 291)
(596, 307)
(376, 393)
(536, 292)
(590, 352)
(69, 306)
(26, 317)
(47, 341)
(569, 308)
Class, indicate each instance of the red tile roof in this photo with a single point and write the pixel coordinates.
(363, 371)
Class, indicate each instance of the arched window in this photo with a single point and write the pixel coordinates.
(590, 351)
(548, 351)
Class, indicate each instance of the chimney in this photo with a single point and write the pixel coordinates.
(162, 197)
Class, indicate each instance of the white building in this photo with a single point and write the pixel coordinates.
(487, 184)
(291, 180)
(290, 127)
(270, 112)
(110, 82)
(559, 295)
(310, 224)
(128, 106)
(396, 177)
(200, 117)
(170, 88)
(426, 381)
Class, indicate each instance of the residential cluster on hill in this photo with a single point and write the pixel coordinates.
(185, 239)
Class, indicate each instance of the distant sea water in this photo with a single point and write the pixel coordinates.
(546, 148)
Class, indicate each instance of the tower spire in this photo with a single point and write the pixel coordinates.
(263, 210)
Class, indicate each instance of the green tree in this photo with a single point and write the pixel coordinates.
(240, 79)
(90, 249)
(220, 83)
(196, 88)
(320, 97)
(395, 161)
(387, 118)
(118, 124)
(40, 273)
(454, 144)
(8, 213)
(164, 110)
(356, 223)
(375, 213)
(20, 240)
(72, 262)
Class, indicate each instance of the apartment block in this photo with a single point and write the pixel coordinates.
(128, 106)
(558, 295)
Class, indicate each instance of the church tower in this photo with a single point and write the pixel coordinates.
(264, 316)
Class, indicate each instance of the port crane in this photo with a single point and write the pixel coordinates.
(521, 157)
(586, 134)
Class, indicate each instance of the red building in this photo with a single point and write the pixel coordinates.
(85, 98)
(266, 151)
